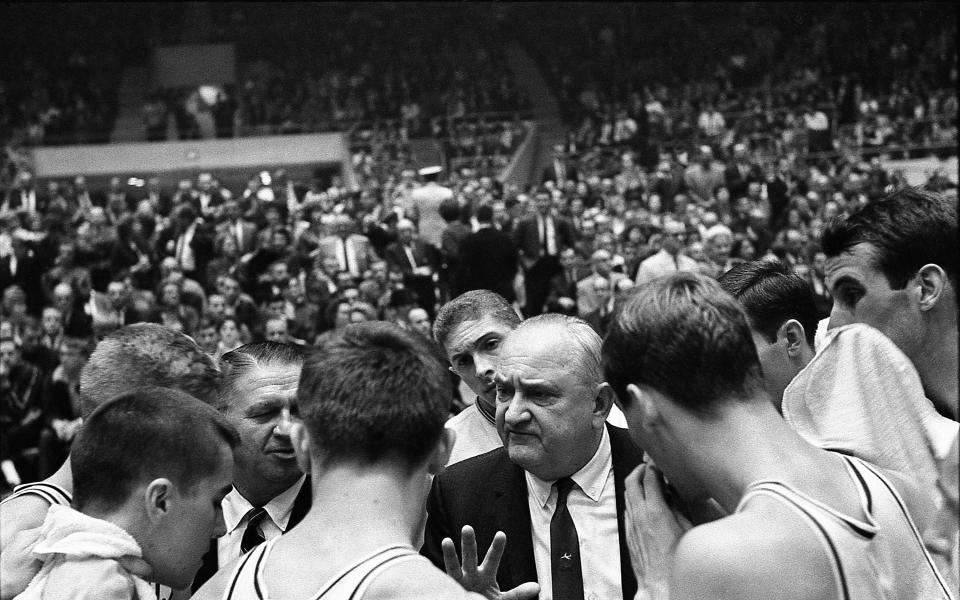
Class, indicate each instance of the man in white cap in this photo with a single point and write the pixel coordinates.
(426, 202)
(669, 259)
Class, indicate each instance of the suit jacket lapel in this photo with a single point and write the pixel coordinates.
(301, 504)
(625, 457)
(209, 566)
(512, 516)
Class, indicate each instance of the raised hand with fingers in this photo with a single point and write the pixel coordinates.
(483, 578)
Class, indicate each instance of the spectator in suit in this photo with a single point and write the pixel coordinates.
(23, 269)
(209, 198)
(24, 196)
(189, 241)
(603, 292)
(540, 238)
(741, 172)
(488, 258)
(417, 261)
(21, 414)
(159, 201)
(588, 300)
(76, 321)
(562, 297)
(351, 250)
(61, 405)
(557, 482)
(560, 170)
(451, 238)
(243, 232)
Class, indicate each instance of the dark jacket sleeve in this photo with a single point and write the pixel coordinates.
(438, 526)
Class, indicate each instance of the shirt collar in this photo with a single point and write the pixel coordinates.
(235, 507)
(591, 478)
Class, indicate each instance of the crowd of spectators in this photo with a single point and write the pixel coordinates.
(292, 260)
(379, 62)
(60, 87)
(784, 78)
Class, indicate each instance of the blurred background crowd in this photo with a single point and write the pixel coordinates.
(712, 134)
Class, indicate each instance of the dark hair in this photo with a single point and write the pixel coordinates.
(908, 229)
(472, 306)
(146, 355)
(485, 213)
(682, 335)
(449, 210)
(240, 361)
(373, 392)
(143, 435)
(771, 294)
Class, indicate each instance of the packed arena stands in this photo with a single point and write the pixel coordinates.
(741, 139)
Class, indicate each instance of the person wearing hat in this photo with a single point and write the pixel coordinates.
(426, 202)
(669, 259)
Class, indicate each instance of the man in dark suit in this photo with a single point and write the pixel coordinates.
(25, 197)
(23, 268)
(161, 201)
(556, 487)
(417, 260)
(190, 241)
(741, 172)
(540, 239)
(243, 231)
(562, 294)
(560, 169)
(270, 494)
(209, 199)
(488, 259)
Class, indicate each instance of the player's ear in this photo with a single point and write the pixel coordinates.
(441, 452)
(794, 335)
(933, 282)
(603, 402)
(158, 497)
(300, 439)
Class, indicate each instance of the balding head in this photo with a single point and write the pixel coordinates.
(568, 336)
(144, 355)
(551, 399)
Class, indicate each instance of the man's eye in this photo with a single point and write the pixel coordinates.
(493, 344)
(849, 296)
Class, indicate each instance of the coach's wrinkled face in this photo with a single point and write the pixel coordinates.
(548, 413)
(260, 411)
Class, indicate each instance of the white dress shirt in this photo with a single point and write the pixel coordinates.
(235, 509)
(593, 506)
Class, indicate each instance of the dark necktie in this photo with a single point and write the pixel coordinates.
(252, 535)
(565, 548)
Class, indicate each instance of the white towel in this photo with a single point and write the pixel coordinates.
(861, 395)
(68, 536)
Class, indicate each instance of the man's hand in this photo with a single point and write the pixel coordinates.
(656, 530)
(482, 579)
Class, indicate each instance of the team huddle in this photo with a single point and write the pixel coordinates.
(718, 442)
